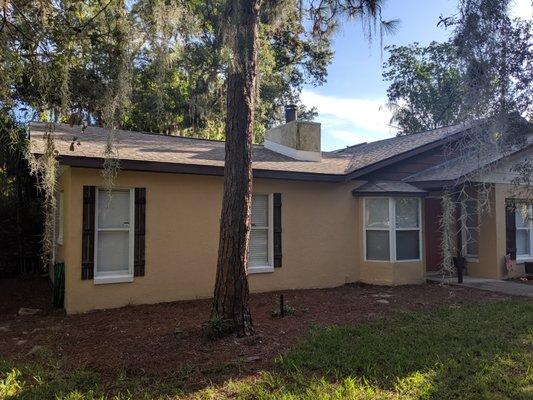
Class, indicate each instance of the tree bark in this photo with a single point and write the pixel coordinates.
(231, 288)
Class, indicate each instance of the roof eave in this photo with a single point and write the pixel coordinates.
(196, 169)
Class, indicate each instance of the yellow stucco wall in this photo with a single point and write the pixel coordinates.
(322, 240)
(492, 238)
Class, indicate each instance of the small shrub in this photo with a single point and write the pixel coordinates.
(217, 327)
(287, 308)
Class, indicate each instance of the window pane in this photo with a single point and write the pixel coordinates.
(522, 216)
(406, 212)
(377, 245)
(472, 242)
(113, 252)
(114, 213)
(407, 245)
(377, 213)
(522, 241)
(471, 214)
(260, 210)
(259, 247)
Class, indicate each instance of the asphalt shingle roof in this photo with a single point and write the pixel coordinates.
(465, 165)
(379, 187)
(140, 146)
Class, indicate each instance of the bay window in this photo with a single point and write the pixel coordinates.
(524, 231)
(261, 235)
(392, 229)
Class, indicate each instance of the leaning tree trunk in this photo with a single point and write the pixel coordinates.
(231, 288)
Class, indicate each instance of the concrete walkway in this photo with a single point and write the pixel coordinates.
(493, 285)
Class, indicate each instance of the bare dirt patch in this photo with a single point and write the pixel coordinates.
(154, 340)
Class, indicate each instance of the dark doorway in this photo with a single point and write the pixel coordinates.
(433, 236)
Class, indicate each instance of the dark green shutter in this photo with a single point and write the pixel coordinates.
(87, 239)
(277, 230)
(510, 228)
(140, 230)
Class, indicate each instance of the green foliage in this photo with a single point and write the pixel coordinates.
(425, 89)
(217, 327)
(147, 65)
(482, 72)
(463, 351)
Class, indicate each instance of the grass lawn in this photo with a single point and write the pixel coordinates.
(482, 351)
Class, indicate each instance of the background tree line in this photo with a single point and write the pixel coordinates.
(146, 65)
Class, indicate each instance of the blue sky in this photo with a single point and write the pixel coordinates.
(350, 104)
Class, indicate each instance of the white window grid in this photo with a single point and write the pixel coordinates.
(270, 236)
(392, 229)
(116, 278)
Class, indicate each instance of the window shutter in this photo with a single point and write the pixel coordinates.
(139, 243)
(87, 239)
(277, 230)
(510, 228)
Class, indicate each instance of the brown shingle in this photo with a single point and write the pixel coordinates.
(139, 146)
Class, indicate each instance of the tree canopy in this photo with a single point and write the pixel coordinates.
(147, 65)
(483, 71)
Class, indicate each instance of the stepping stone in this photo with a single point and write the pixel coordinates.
(382, 295)
(28, 311)
(382, 301)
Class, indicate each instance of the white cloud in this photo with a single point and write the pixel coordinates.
(349, 120)
(521, 9)
(366, 114)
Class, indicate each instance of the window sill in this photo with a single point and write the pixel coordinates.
(101, 280)
(472, 259)
(520, 260)
(260, 270)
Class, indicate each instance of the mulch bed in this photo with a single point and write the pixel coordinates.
(143, 340)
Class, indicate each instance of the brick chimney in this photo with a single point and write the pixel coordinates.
(296, 139)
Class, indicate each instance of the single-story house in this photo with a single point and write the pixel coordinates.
(366, 213)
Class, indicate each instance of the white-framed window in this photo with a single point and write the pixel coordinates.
(59, 219)
(393, 230)
(524, 231)
(261, 252)
(114, 236)
(470, 229)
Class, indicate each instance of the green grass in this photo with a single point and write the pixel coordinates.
(469, 352)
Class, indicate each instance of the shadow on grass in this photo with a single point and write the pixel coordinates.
(470, 352)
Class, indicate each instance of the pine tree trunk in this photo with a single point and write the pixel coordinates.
(231, 288)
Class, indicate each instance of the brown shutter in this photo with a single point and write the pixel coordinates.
(139, 244)
(277, 230)
(87, 239)
(510, 228)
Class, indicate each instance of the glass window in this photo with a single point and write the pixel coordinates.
(260, 234)
(377, 245)
(407, 212)
(402, 237)
(524, 230)
(377, 213)
(59, 218)
(114, 234)
(407, 245)
(470, 229)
